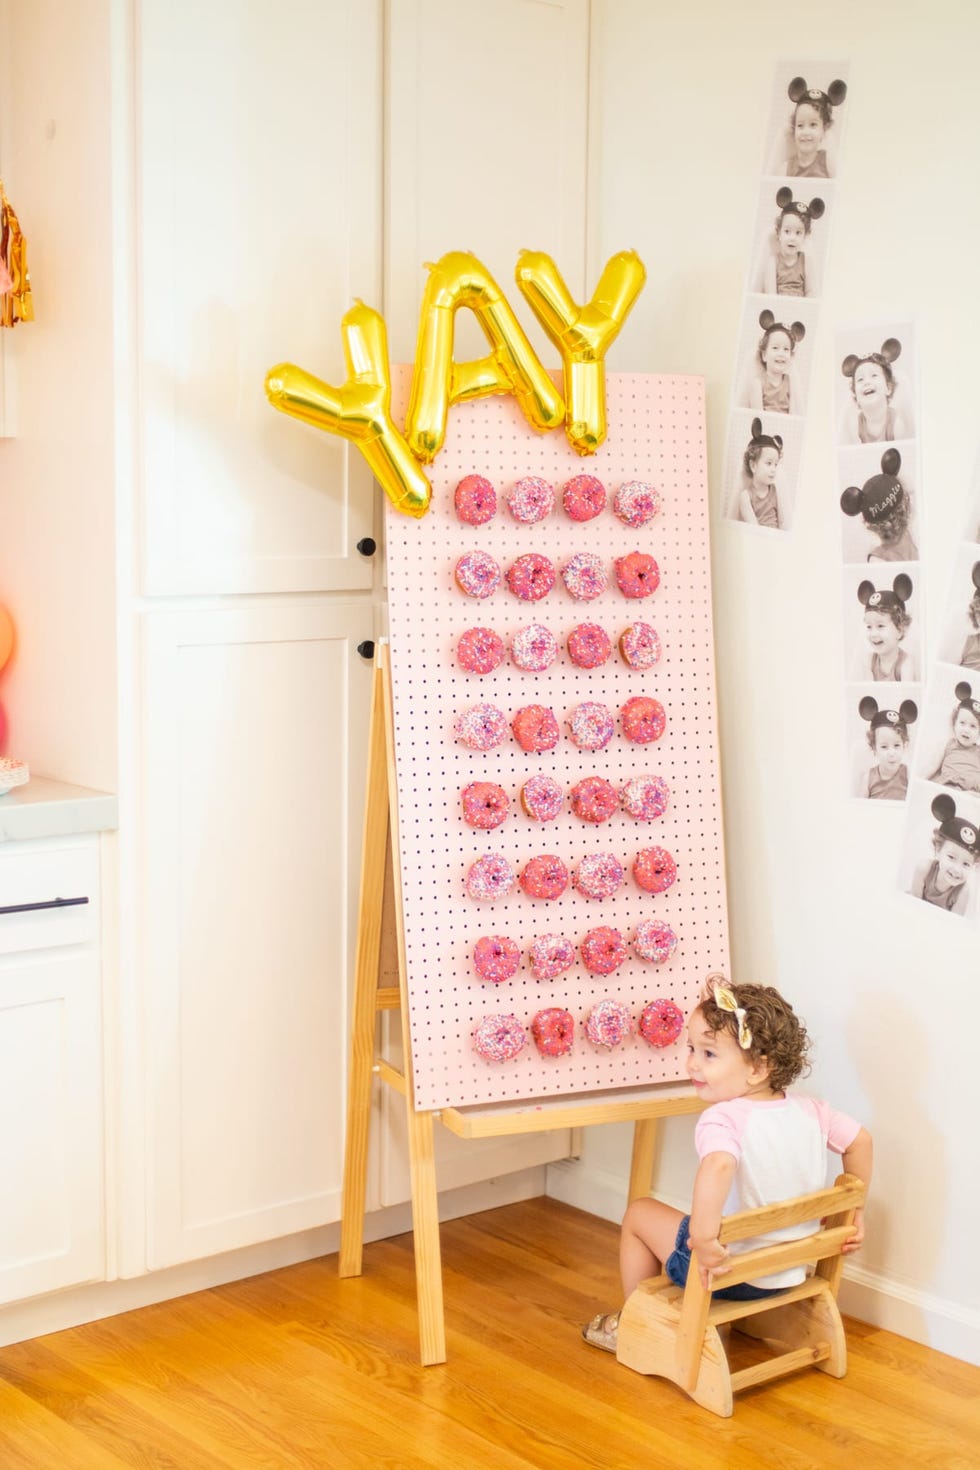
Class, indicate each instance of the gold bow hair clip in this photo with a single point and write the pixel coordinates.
(725, 1001)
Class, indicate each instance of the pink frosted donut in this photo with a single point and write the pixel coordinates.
(591, 726)
(584, 497)
(588, 646)
(584, 576)
(608, 1024)
(639, 646)
(603, 950)
(531, 577)
(643, 719)
(496, 958)
(550, 956)
(654, 869)
(499, 1038)
(542, 798)
(534, 648)
(481, 727)
(636, 503)
(599, 875)
(530, 500)
(544, 877)
(475, 500)
(645, 797)
(661, 1023)
(594, 799)
(535, 728)
(485, 805)
(654, 941)
(553, 1031)
(637, 574)
(490, 878)
(477, 574)
(480, 651)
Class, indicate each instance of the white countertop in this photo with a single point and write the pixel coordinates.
(46, 808)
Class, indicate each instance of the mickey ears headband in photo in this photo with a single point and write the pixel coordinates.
(724, 999)
(906, 714)
(798, 91)
(953, 828)
(760, 440)
(880, 494)
(881, 600)
(964, 694)
(796, 331)
(789, 205)
(891, 348)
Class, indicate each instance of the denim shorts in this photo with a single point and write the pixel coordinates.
(678, 1262)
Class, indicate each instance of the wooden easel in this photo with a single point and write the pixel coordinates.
(380, 918)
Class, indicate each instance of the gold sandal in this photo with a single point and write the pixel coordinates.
(601, 1332)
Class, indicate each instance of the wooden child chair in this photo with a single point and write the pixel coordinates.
(672, 1331)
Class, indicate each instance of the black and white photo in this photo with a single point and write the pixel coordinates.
(876, 386)
(878, 504)
(880, 730)
(880, 619)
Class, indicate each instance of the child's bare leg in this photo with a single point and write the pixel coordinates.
(647, 1238)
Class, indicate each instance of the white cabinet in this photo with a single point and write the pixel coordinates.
(51, 1076)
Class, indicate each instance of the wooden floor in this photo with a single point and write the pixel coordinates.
(300, 1369)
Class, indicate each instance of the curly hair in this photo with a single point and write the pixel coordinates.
(900, 729)
(901, 619)
(779, 1037)
(892, 528)
(821, 106)
(973, 611)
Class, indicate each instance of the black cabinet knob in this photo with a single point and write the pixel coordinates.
(366, 649)
(367, 546)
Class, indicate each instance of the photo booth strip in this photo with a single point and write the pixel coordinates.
(783, 288)
(656, 434)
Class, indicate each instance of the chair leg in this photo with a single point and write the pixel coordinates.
(647, 1343)
(802, 1324)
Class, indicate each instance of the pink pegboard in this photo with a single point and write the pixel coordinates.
(657, 434)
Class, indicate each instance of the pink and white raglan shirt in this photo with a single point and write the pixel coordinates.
(781, 1149)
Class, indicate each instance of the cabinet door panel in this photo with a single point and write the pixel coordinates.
(51, 1231)
(259, 145)
(257, 733)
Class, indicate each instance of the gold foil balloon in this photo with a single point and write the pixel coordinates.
(459, 279)
(360, 410)
(582, 334)
(6, 635)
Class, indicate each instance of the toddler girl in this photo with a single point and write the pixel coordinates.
(970, 657)
(811, 117)
(886, 622)
(960, 765)
(872, 381)
(771, 385)
(944, 880)
(758, 502)
(757, 1146)
(883, 502)
(888, 736)
(786, 267)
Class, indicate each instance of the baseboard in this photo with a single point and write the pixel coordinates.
(937, 1323)
(62, 1309)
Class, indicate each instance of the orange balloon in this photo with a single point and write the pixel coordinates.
(6, 635)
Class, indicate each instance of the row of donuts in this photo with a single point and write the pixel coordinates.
(534, 648)
(497, 957)
(500, 1036)
(486, 805)
(590, 725)
(532, 499)
(598, 875)
(532, 576)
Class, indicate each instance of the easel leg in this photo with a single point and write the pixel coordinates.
(641, 1164)
(425, 1219)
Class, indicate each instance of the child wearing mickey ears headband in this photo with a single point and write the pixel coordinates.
(785, 273)
(758, 499)
(872, 380)
(944, 881)
(812, 115)
(883, 503)
(757, 1145)
(886, 622)
(888, 736)
(970, 656)
(771, 386)
(960, 765)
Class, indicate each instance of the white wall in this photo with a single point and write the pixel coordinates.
(889, 990)
(57, 534)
